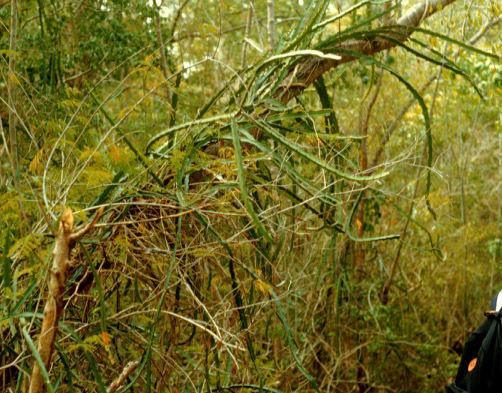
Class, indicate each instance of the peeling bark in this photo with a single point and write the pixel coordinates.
(304, 74)
(65, 241)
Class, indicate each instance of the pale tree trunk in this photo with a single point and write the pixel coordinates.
(65, 241)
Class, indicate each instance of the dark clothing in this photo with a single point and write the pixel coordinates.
(480, 369)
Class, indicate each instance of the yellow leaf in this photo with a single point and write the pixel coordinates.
(359, 224)
(262, 286)
(13, 78)
(115, 153)
(149, 59)
(36, 166)
(27, 270)
(8, 52)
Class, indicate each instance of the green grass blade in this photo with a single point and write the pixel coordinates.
(189, 124)
(256, 388)
(290, 340)
(241, 173)
(27, 293)
(6, 261)
(292, 146)
(457, 42)
(36, 355)
(330, 119)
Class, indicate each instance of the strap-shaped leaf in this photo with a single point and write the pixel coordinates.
(241, 173)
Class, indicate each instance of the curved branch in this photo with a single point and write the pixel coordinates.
(304, 74)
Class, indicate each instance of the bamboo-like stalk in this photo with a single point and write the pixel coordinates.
(247, 32)
(11, 80)
(162, 52)
(65, 241)
(271, 23)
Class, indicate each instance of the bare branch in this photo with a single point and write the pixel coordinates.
(78, 235)
(128, 370)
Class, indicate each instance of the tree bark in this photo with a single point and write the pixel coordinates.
(65, 242)
(304, 74)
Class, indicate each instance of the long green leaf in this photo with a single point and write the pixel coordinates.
(322, 92)
(425, 114)
(304, 183)
(290, 340)
(6, 261)
(189, 124)
(243, 186)
(36, 355)
(292, 146)
(445, 63)
(303, 53)
(456, 42)
(341, 14)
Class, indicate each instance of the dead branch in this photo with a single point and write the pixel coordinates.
(65, 241)
(128, 369)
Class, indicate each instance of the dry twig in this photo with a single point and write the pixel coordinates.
(128, 370)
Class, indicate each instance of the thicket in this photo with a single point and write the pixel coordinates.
(271, 196)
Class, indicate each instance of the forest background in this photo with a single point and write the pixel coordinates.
(279, 195)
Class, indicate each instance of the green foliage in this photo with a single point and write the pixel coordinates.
(251, 220)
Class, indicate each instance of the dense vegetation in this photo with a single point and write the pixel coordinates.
(280, 195)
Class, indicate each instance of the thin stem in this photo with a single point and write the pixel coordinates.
(271, 23)
(162, 53)
(249, 21)
(11, 80)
